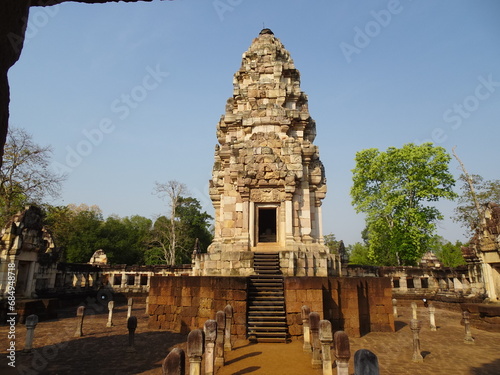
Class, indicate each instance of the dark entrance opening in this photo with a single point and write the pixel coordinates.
(267, 224)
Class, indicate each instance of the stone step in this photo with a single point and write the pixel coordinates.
(267, 319)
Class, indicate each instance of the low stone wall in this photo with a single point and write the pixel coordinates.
(483, 316)
(240, 263)
(183, 303)
(355, 305)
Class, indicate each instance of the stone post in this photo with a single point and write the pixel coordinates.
(131, 326)
(316, 346)
(395, 308)
(305, 325)
(219, 341)
(365, 362)
(173, 364)
(342, 352)
(415, 326)
(326, 339)
(414, 310)
(228, 311)
(80, 314)
(195, 351)
(432, 311)
(147, 305)
(468, 339)
(111, 305)
(210, 329)
(31, 322)
(130, 303)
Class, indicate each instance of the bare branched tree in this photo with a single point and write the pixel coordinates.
(171, 191)
(26, 176)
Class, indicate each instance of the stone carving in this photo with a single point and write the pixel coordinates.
(266, 155)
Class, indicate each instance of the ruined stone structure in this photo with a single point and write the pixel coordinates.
(267, 181)
(483, 253)
(27, 244)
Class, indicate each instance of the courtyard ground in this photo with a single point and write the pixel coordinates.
(102, 350)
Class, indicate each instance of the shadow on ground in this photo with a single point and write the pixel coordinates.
(100, 355)
(492, 368)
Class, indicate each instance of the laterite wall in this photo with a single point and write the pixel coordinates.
(183, 303)
(355, 305)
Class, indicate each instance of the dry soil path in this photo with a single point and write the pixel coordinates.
(103, 350)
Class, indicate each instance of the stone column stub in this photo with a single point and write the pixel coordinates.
(195, 351)
(305, 311)
(342, 352)
(326, 340)
(111, 305)
(315, 343)
(415, 326)
(228, 311)
(432, 321)
(468, 339)
(80, 315)
(131, 326)
(174, 362)
(31, 322)
(220, 318)
(210, 330)
(365, 362)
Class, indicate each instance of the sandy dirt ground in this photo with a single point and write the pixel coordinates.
(103, 350)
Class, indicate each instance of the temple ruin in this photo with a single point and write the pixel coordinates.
(268, 181)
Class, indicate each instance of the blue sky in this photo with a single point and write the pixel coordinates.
(130, 94)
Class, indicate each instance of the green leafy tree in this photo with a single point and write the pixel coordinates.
(124, 239)
(332, 243)
(76, 229)
(25, 175)
(358, 254)
(394, 189)
(173, 238)
(449, 254)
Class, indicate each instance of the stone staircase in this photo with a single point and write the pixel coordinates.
(266, 320)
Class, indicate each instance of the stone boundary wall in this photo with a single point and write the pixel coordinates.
(355, 305)
(183, 303)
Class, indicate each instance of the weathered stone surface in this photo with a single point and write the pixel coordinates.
(266, 166)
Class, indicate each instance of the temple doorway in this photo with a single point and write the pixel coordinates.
(267, 224)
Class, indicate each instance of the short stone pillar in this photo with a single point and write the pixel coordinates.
(220, 318)
(228, 311)
(365, 362)
(432, 311)
(326, 340)
(131, 326)
(414, 310)
(468, 339)
(395, 307)
(195, 351)
(111, 305)
(130, 303)
(31, 322)
(173, 364)
(342, 352)
(415, 326)
(210, 329)
(80, 314)
(305, 325)
(147, 306)
(315, 343)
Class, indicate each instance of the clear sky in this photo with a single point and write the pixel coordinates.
(130, 94)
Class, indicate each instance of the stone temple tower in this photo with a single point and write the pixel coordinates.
(268, 182)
